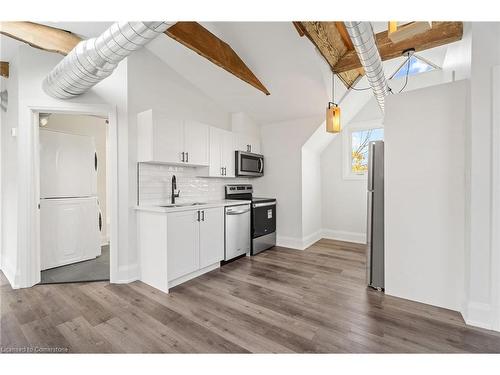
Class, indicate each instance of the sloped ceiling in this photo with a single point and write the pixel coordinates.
(288, 65)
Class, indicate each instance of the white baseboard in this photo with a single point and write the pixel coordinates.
(478, 314)
(340, 235)
(127, 274)
(303, 243)
(298, 243)
(290, 242)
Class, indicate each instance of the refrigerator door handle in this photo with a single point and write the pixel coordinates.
(369, 223)
(95, 160)
(371, 157)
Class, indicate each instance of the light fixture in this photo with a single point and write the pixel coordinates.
(333, 113)
(44, 119)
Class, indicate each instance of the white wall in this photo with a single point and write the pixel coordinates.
(281, 144)
(311, 197)
(9, 174)
(479, 308)
(425, 194)
(153, 84)
(31, 66)
(96, 128)
(242, 123)
(344, 200)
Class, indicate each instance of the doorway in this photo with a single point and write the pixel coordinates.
(74, 204)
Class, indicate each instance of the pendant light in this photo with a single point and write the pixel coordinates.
(333, 112)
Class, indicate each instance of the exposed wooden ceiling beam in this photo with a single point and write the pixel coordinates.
(329, 41)
(397, 33)
(344, 35)
(203, 42)
(190, 34)
(4, 69)
(440, 34)
(40, 36)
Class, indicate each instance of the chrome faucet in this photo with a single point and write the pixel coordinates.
(174, 189)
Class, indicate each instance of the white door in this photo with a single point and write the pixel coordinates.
(69, 231)
(68, 165)
(211, 236)
(168, 140)
(216, 140)
(196, 143)
(228, 154)
(182, 243)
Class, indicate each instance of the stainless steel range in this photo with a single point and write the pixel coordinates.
(263, 216)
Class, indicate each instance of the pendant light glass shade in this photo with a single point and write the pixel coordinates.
(333, 118)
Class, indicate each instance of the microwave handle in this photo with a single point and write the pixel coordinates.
(261, 165)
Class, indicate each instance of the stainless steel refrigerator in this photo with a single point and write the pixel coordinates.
(375, 224)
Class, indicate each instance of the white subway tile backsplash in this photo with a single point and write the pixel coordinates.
(155, 181)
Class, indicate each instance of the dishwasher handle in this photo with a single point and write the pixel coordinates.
(238, 212)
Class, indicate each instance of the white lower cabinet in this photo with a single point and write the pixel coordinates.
(183, 243)
(177, 246)
(211, 236)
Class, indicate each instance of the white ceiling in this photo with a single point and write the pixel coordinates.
(288, 65)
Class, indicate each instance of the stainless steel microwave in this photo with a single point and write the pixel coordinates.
(249, 164)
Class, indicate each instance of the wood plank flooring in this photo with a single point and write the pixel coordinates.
(281, 301)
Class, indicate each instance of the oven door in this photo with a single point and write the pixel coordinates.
(264, 219)
(249, 164)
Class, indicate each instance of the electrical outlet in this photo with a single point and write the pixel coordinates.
(13, 132)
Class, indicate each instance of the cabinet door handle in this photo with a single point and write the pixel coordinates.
(222, 171)
(187, 157)
(225, 171)
(198, 216)
(183, 156)
(202, 215)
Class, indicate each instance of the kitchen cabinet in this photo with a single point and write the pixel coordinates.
(161, 139)
(183, 243)
(222, 149)
(247, 143)
(176, 246)
(196, 142)
(211, 236)
(195, 240)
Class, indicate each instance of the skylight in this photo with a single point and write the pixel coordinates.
(417, 66)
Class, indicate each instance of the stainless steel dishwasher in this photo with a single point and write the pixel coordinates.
(238, 237)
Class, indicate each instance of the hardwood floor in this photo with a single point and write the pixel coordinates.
(281, 301)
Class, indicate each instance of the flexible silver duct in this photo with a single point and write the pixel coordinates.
(363, 39)
(94, 59)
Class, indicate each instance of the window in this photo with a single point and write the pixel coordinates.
(417, 65)
(356, 140)
(359, 148)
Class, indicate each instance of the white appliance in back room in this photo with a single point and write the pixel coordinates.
(70, 219)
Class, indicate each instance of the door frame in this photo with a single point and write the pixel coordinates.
(28, 261)
(495, 202)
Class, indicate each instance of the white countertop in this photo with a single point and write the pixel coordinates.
(209, 204)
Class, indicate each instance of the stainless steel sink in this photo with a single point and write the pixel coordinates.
(183, 204)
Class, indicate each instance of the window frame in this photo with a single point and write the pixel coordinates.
(347, 147)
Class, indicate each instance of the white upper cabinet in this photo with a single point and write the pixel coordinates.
(221, 153)
(215, 165)
(247, 143)
(162, 139)
(196, 143)
(228, 155)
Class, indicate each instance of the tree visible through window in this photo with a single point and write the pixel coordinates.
(359, 148)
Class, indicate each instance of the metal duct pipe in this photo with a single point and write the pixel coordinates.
(363, 39)
(94, 59)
